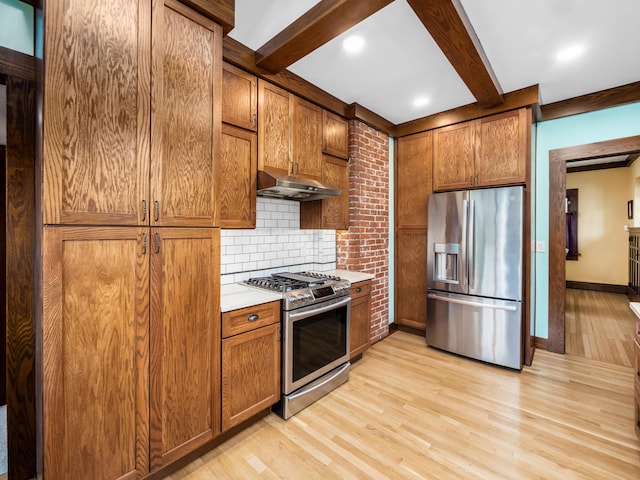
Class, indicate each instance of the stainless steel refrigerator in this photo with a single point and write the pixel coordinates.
(474, 274)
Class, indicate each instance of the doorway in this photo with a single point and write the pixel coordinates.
(557, 224)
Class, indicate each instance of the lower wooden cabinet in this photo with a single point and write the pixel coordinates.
(360, 331)
(250, 362)
(411, 278)
(636, 376)
(130, 348)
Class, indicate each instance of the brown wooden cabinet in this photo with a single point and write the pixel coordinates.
(250, 362)
(335, 135)
(413, 179)
(134, 147)
(332, 212)
(95, 353)
(185, 349)
(411, 278)
(238, 172)
(360, 331)
(239, 97)
(128, 321)
(289, 133)
(636, 376)
(490, 151)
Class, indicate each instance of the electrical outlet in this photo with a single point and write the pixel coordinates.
(539, 245)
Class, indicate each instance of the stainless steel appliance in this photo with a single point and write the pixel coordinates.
(315, 345)
(474, 274)
(277, 185)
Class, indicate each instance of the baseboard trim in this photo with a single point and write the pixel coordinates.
(541, 343)
(598, 287)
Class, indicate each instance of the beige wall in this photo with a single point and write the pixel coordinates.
(634, 185)
(602, 215)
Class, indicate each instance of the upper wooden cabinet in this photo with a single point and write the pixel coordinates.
(238, 172)
(413, 179)
(289, 133)
(486, 152)
(239, 97)
(128, 142)
(220, 11)
(331, 212)
(335, 135)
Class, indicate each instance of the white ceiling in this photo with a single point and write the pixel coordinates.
(520, 38)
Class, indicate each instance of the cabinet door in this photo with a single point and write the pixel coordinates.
(239, 97)
(329, 212)
(185, 341)
(360, 331)
(95, 353)
(275, 117)
(502, 148)
(250, 373)
(186, 117)
(335, 135)
(307, 139)
(238, 171)
(453, 150)
(96, 112)
(413, 179)
(411, 278)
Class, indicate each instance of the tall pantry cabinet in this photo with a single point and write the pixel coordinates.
(130, 360)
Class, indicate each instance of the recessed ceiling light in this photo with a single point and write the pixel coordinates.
(420, 101)
(353, 44)
(570, 53)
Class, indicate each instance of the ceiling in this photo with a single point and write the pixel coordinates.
(518, 40)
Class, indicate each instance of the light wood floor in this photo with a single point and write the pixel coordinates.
(600, 326)
(412, 412)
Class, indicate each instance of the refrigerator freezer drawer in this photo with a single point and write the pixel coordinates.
(481, 328)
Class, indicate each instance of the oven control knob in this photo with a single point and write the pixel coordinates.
(306, 297)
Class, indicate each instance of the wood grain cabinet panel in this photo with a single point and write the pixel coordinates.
(502, 149)
(239, 97)
(97, 112)
(411, 278)
(185, 348)
(95, 353)
(331, 212)
(185, 118)
(335, 135)
(360, 331)
(275, 120)
(453, 151)
(413, 179)
(238, 172)
(250, 373)
(307, 139)
(131, 141)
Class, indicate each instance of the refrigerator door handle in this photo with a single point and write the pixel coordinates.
(493, 306)
(471, 254)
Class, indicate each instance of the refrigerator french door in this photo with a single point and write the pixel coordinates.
(474, 274)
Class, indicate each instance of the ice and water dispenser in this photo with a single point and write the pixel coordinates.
(446, 262)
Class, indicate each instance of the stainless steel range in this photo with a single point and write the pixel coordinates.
(315, 346)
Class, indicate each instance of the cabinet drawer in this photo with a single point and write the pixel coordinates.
(245, 319)
(360, 289)
(637, 331)
(636, 371)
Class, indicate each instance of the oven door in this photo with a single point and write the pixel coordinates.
(316, 340)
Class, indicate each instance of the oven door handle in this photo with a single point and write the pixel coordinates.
(316, 311)
(305, 391)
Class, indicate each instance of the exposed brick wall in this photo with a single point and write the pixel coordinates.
(365, 246)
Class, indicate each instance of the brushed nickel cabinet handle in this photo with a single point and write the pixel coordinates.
(253, 317)
(144, 243)
(157, 215)
(157, 243)
(144, 210)
(358, 289)
(253, 120)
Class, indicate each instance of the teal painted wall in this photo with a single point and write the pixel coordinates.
(608, 124)
(17, 26)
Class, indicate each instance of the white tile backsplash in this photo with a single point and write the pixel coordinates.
(276, 244)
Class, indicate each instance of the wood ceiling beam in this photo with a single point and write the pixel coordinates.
(321, 24)
(449, 26)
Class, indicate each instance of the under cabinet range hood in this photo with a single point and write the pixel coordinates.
(275, 185)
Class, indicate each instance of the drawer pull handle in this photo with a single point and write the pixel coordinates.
(358, 289)
(253, 317)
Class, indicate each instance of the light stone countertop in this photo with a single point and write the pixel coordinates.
(236, 295)
(635, 306)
